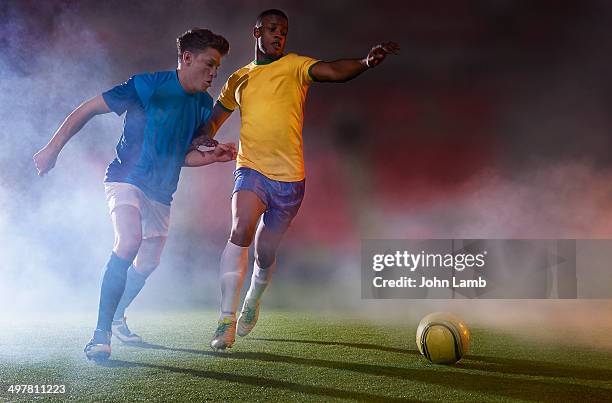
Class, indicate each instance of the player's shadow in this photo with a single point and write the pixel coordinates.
(483, 363)
(365, 346)
(516, 366)
(253, 380)
(454, 377)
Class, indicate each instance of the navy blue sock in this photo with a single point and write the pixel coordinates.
(113, 284)
(135, 282)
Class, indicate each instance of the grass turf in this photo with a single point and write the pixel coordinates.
(293, 357)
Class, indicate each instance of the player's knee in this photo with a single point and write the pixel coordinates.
(265, 259)
(242, 234)
(127, 246)
(146, 267)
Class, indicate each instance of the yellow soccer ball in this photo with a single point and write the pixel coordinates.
(442, 338)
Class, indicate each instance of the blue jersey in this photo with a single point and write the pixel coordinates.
(159, 125)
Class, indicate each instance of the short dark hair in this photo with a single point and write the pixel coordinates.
(272, 11)
(197, 40)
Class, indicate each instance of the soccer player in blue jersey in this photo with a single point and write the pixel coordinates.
(164, 110)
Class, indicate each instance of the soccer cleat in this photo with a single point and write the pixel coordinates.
(247, 319)
(98, 348)
(122, 332)
(225, 335)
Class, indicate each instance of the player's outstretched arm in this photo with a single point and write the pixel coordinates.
(205, 135)
(46, 157)
(221, 153)
(343, 70)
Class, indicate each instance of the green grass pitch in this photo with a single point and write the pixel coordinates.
(293, 357)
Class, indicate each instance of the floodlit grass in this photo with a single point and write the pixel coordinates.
(292, 357)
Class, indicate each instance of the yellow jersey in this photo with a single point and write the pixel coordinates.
(271, 97)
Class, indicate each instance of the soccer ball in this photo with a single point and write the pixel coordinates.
(442, 338)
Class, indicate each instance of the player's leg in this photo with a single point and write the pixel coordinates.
(286, 200)
(146, 262)
(247, 207)
(267, 241)
(128, 235)
(155, 218)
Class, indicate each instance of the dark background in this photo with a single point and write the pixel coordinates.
(493, 122)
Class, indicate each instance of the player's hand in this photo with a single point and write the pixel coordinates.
(379, 52)
(204, 141)
(225, 152)
(44, 160)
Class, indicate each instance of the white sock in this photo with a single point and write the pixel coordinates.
(259, 281)
(233, 268)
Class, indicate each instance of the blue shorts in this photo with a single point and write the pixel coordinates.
(282, 199)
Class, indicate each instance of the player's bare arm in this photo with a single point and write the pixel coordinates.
(343, 70)
(205, 136)
(221, 153)
(45, 158)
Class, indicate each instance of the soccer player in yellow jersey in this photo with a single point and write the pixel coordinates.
(269, 178)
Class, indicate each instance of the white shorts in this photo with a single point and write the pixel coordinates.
(154, 216)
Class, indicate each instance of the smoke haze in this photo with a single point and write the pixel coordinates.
(493, 122)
